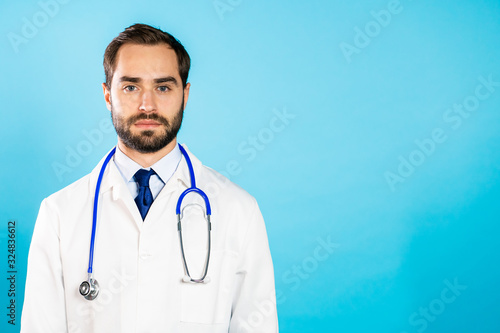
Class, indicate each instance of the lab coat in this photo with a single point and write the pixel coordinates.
(138, 264)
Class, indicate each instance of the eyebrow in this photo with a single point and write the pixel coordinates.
(167, 79)
(130, 79)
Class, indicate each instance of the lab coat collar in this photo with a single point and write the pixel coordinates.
(112, 179)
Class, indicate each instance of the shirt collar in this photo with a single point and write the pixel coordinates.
(164, 168)
(112, 176)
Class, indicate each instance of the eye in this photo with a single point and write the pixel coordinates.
(163, 88)
(129, 88)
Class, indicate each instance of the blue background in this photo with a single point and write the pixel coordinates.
(363, 97)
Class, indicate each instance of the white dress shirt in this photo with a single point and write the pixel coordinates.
(164, 169)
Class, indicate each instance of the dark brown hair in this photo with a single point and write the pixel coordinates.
(144, 34)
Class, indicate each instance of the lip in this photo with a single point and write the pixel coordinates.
(146, 123)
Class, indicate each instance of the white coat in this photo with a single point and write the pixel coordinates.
(138, 264)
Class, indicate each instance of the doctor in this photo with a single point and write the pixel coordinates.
(138, 259)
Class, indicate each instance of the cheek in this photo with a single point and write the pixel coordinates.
(171, 103)
(124, 104)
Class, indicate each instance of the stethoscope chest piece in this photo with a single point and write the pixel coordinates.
(89, 289)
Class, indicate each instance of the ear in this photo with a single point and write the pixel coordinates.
(107, 96)
(186, 94)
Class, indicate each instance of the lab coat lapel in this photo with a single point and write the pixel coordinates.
(171, 191)
(122, 193)
(113, 181)
(179, 182)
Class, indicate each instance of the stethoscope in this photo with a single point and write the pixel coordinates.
(89, 289)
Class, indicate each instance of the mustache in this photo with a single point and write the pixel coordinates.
(148, 116)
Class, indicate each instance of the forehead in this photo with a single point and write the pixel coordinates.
(146, 61)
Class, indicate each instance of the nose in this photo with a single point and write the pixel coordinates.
(148, 103)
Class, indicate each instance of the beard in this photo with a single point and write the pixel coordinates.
(147, 141)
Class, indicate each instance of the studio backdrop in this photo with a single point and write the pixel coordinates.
(368, 131)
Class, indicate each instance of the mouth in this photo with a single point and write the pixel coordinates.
(147, 124)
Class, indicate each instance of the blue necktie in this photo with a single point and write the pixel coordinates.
(144, 199)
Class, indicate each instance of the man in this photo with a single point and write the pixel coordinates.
(144, 283)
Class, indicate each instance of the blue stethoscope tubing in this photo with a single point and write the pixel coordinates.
(90, 288)
(94, 213)
(193, 188)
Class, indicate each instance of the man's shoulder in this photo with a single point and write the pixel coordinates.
(217, 185)
(71, 192)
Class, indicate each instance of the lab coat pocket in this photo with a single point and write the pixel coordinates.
(210, 302)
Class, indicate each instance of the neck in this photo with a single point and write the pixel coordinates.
(146, 159)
